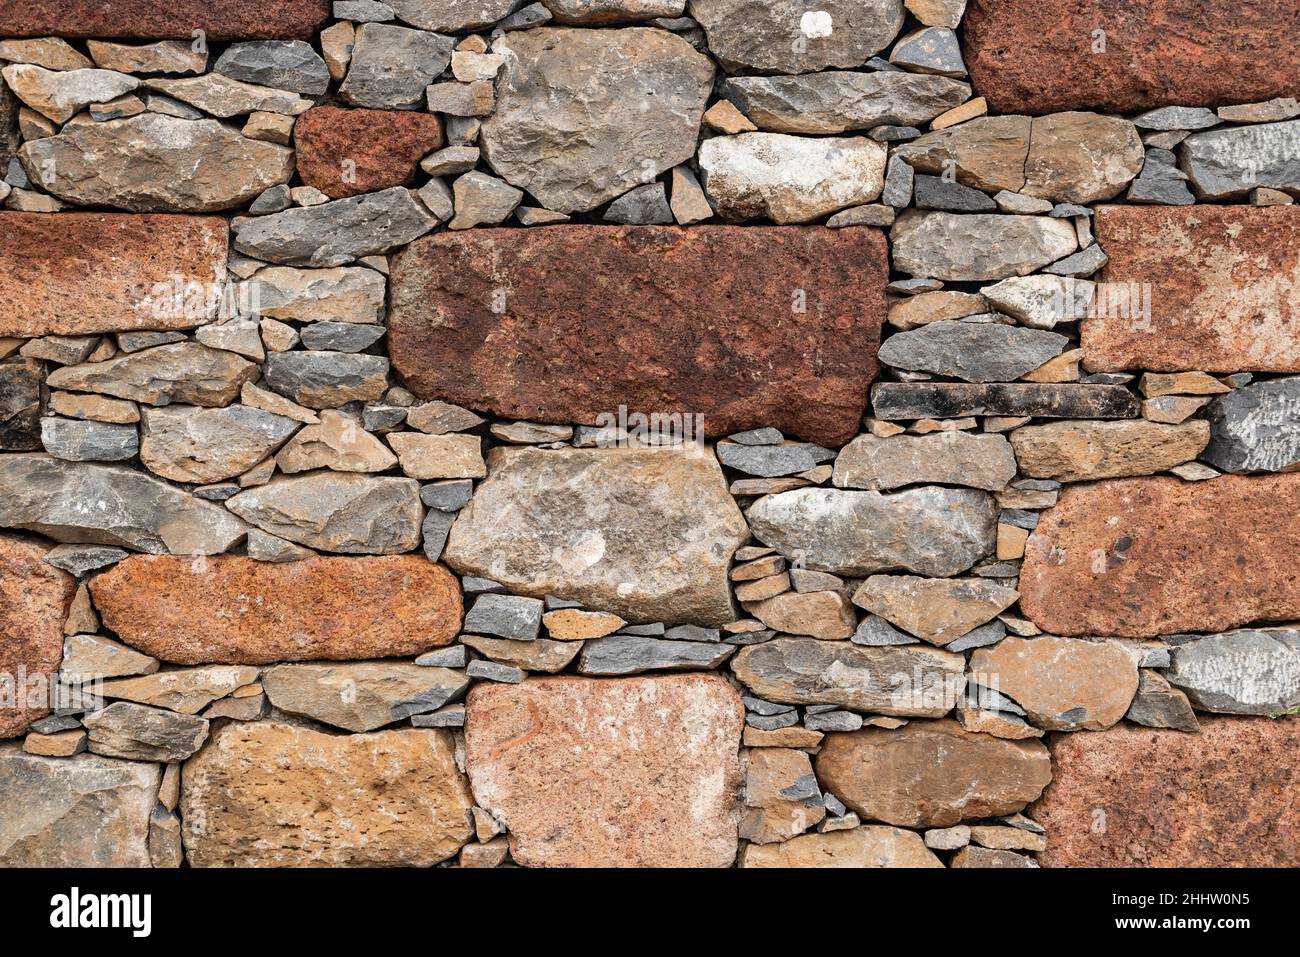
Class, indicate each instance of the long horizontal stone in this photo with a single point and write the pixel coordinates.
(1160, 808)
(79, 273)
(1145, 557)
(234, 610)
(176, 19)
(1214, 288)
(950, 400)
(567, 323)
(1040, 56)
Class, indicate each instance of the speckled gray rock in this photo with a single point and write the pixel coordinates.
(604, 12)
(1161, 182)
(875, 632)
(1176, 118)
(507, 616)
(633, 654)
(1239, 672)
(138, 732)
(340, 336)
(947, 458)
(643, 206)
(1256, 428)
(934, 192)
(361, 695)
(930, 530)
(392, 65)
(972, 351)
(980, 247)
(279, 64)
(1229, 163)
(179, 372)
(934, 50)
(770, 461)
(836, 102)
(80, 440)
(1041, 302)
(452, 16)
(948, 400)
(191, 444)
(1158, 704)
(79, 559)
(326, 380)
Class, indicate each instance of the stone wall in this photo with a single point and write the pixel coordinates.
(649, 432)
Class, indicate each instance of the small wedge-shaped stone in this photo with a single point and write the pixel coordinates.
(185, 372)
(840, 101)
(1041, 301)
(59, 94)
(140, 733)
(947, 458)
(186, 691)
(1239, 672)
(938, 610)
(1086, 451)
(364, 695)
(978, 248)
(191, 444)
(110, 505)
(337, 442)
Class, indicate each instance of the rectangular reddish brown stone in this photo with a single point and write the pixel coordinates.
(1145, 557)
(748, 326)
(163, 19)
(1120, 56)
(1139, 797)
(1224, 290)
(79, 273)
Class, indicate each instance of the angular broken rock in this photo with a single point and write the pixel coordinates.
(58, 94)
(782, 799)
(1239, 672)
(870, 846)
(604, 12)
(346, 294)
(556, 81)
(1107, 560)
(540, 654)
(391, 66)
(1041, 301)
(351, 514)
(338, 232)
(34, 600)
(633, 654)
(156, 163)
(973, 351)
(938, 610)
(644, 534)
(1228, 163)
(83, 811)
(912, 681)
(1081, 157)
(977, 248)
(110, 505)
(949, 400)
(789, 179)
(184, 690)
(452, 16)
(533, 361)
(270, 794)
(1256, 428)
(192, 444)
(931, 531)
(141, 733)
(235, 610)
(987, 153)
(78, 440)
(21, 404)
(932, 773)
(337, 442)
(279, 64)
(1063, 684)
(326, 380)
(948, 458)
(1086, 451)
(635, 772)
(145, 19)
(226, 98)
(185, 372)
(361, 696)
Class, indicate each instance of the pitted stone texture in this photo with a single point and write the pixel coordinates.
(150, 20)
(1224, 283)
(646, 534)
(1162, 809)
(80, 273)
(1086, 451)
(931, 773)
(1256, 428)
(637, 95)
(34, 599)
(275, 795)
(83, 811)
(1040, 56)
(629, 772)
(347, 152)
(1239, 672)
(1145, 557)
(192, 444)
(235, 610)
(590, 310)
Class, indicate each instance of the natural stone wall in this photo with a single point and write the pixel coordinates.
(649, 433)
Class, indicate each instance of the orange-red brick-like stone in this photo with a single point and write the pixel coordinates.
(80, 273)
(348, 152)
(748, 326)
(1156, 556)
(34, 601)
(163, 19)
(1223, 283)
(1139, 797)
(234, 610)
(1043, 56)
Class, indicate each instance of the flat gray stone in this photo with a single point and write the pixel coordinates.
(643, 206)
(280, 64)
(1239, 672)
(979, 247)
(452, 16)
(186, 372)
(1176, 118)
(138, 732)
(506, 616)
(972, 351)
(392, 65)
(875, 632)
(981, 461)
(934, 50)
(770, 461)
(1256, 428)
(192, 444)
(934, 192)
(1081, 264)
(340, 336)
(634, 654)
(1161, 182)
(326, 380)
(82, 440)
(79, 559)
(1229, 163)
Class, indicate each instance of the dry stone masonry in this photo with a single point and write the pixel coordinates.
(649, 433)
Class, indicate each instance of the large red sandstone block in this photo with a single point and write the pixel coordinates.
(629, 772)
(1139, 797)
(234, 610)
(163, 19)
(1043, 56)
(348, 152)
(748, 326)
(1224, 290)
(80, 273)
(34, 600)
(1155, 556)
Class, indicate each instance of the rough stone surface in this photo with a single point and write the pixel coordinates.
(782, 799)
(644, 534)
(1245, 812)
(361, 696)
(1239, 672)
(634, 654)
(20, 405)
(346, 294)
(870, 846)
(1086, 451)
(185, 372)
(148, 20)
(932, 773)
(1256, 428)
(628, 772)
(977, 248)
(1224, 282)
(34, 598)
(346, 152)
(270, 794)
(80, 273)
(938, 610)
(391, 66)
(326, 380)
(571, 286)
(949, 400)
(235, 610)
(192, 444)
(279, 64)
(1145, 557)
(183, 690)
(1229, 163)
(950, 458)
(558, 80)
(141, 733)
(973, 351)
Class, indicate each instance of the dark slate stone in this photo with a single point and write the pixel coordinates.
(771, 461)
(340, 336)
(279, 64)
(934, 192)
(448, 496)
(20, 405)
(506, 616)
(952, 400)
(633, 654)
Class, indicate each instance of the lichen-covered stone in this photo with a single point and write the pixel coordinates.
(1239, 672)
(1256, 428)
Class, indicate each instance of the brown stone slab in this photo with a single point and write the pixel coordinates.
(235, 610)
(748, 326)
(79, 273)
(1144, 557)
(163, 19)
(34, 599)
(1228, 796)
(348, 152)
(1224, 290)
(1041, 56)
